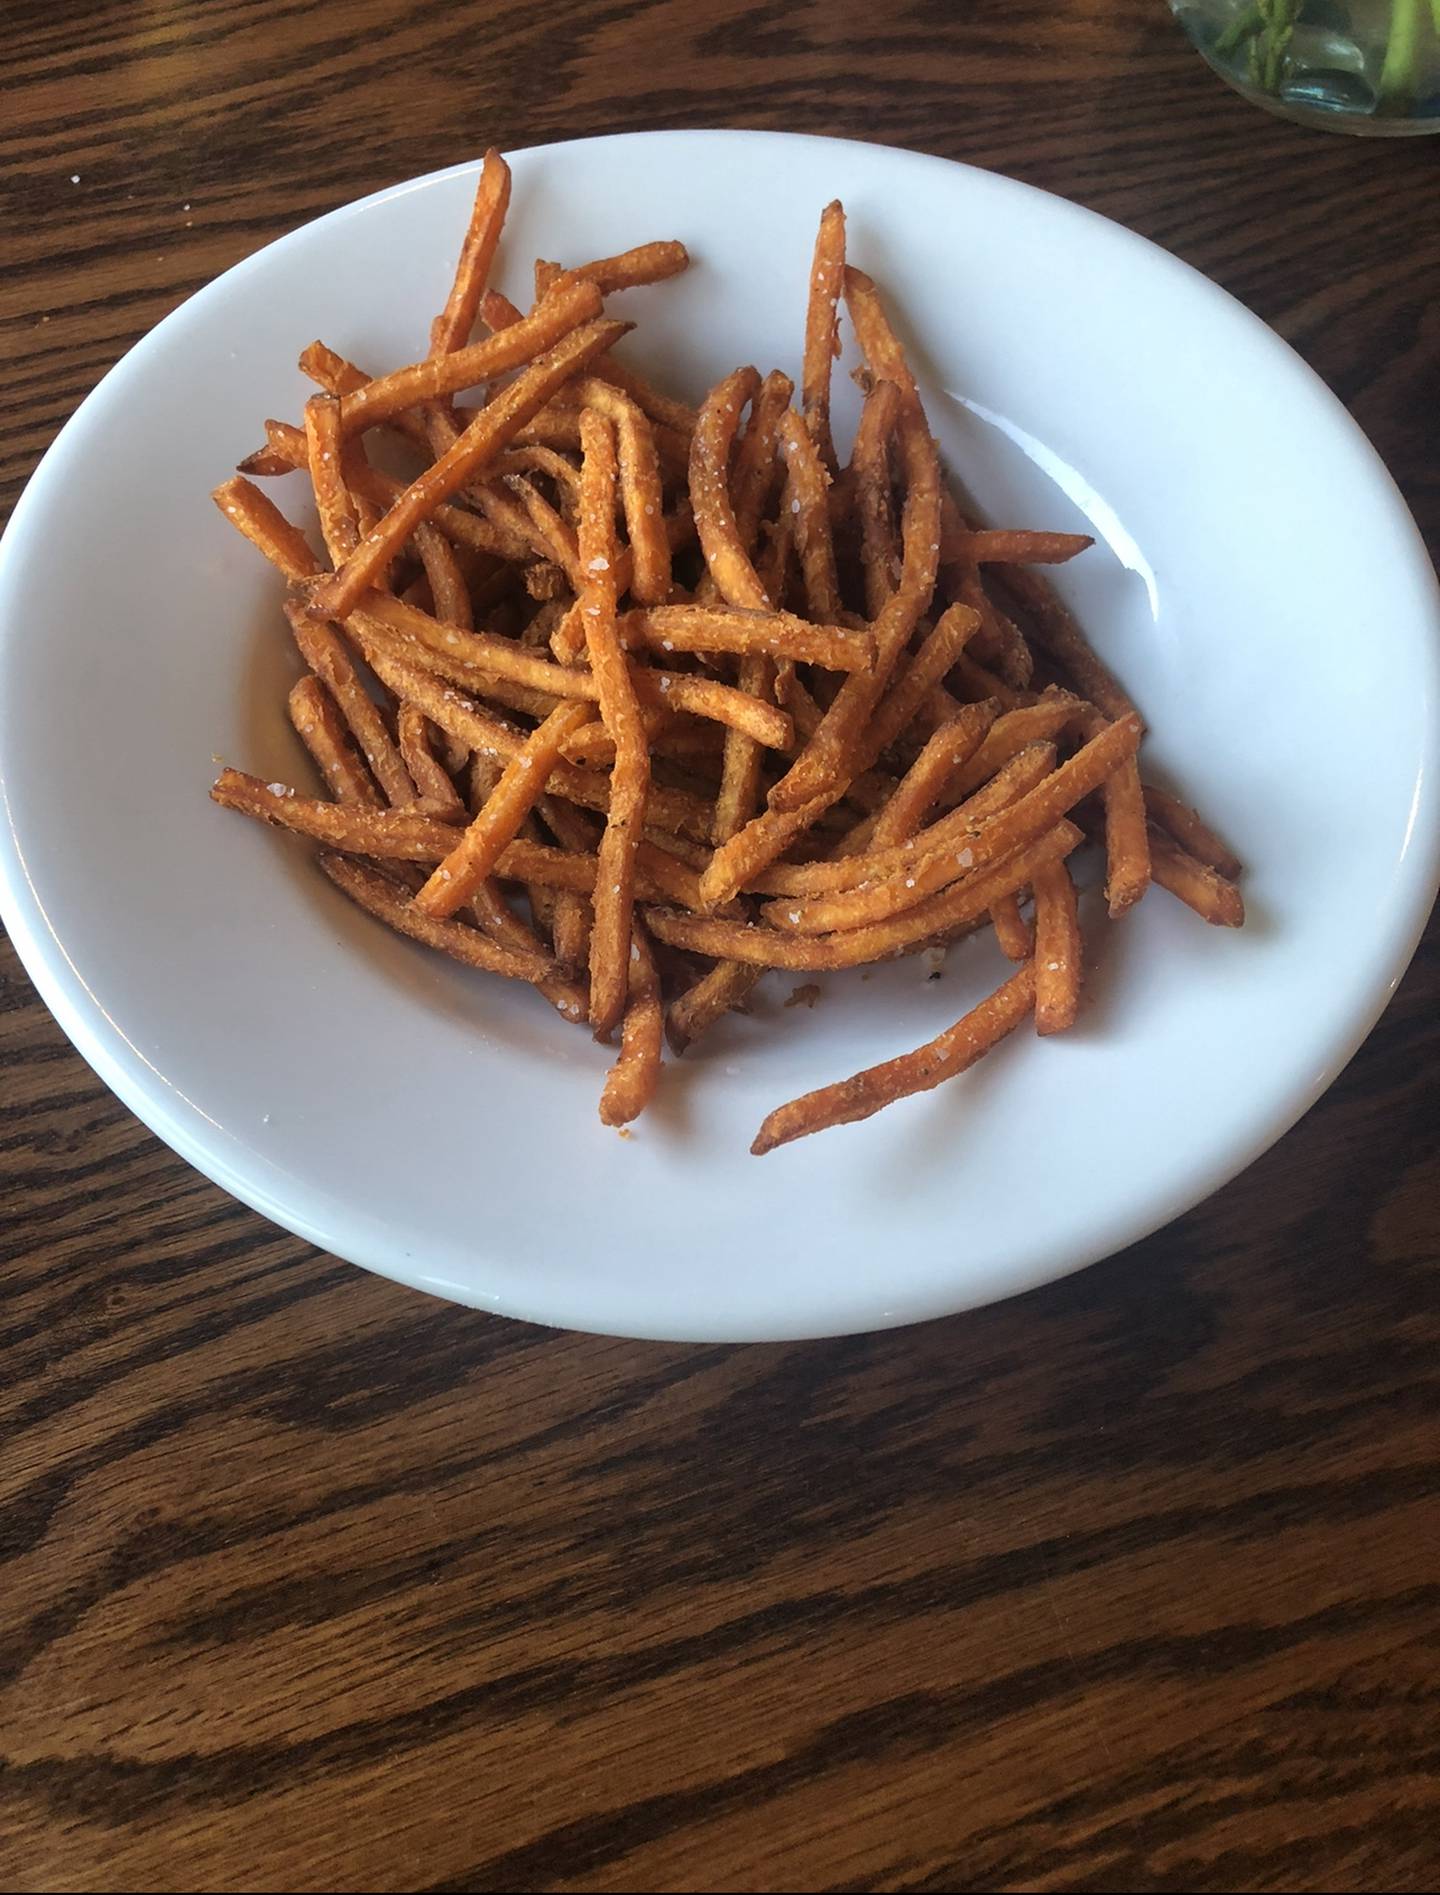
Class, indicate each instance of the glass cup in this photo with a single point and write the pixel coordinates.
(1369, 66)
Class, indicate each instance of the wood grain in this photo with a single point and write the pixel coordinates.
(311, 1582)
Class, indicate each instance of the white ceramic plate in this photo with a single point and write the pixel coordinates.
(1258, 583)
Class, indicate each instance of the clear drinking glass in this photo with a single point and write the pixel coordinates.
(1368, 66)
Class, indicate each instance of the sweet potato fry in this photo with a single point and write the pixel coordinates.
(1008, 736)
(533, 458)
(633, 1078)
(711, 628)
(571, 926)
(448, 591)
(1012, 930)
(1057, 632)
(989, 546)
(677, 741)
(966, 851)
(500, 510)
(945, 1057)
(740, 709)
(572, 828)
(339, 376)
(758, 675)
(431, 778)
(939, 915)
(461, 716)
(551, 535)
(740, 775)
(567, 641)
(975, 681)
(726, 558)
(461, 527)
(455, 755)
(542, 899)
(321, 648)
(325, 734)
(477, 851)
(339, 522)
(1058, 950)
(1186, 826)
(557, 425)
(641, 489)
(334, 372)
(740, 858)
(439, 376)
(757, 466)
(715, 994)
(672, 418)
(420, 834)
(382, 654)
(827, 760)
(494, 917)
(481, 441)
(822, 339)
(999, 643)
(902, 703)
(549, 586)
(610, 936)
(267, 462)
(265, 526)
(451, 328)
(873, 330)
(1127, 848)
(381, 897)
(476, 659)
(497, 311)
(481, 778)
(865, 862)
(872, 499)
(945, 753)
(414, 834)
(1212, 896)
(645, 263)
(807, 488)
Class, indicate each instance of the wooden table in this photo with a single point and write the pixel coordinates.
(311, 1582)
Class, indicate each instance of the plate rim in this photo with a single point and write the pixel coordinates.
(123, 1068)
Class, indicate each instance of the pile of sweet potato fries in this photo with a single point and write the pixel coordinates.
(632, 701)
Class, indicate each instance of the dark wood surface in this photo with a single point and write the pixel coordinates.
(311, 1582)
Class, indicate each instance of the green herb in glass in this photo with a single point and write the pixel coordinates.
(1264, 30)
